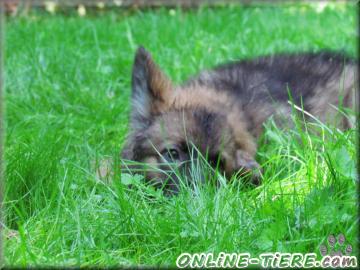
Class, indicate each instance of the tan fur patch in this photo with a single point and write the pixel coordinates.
(197, 96)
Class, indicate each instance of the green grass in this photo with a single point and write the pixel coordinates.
(67, 104)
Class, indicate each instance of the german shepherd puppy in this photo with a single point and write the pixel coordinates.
(221, 111)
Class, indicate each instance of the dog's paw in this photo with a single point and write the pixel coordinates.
(248, 167)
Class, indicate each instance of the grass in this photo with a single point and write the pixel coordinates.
(67, 104)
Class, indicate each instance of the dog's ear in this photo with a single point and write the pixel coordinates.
(150, 88)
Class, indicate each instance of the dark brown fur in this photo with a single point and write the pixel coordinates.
(221, 111)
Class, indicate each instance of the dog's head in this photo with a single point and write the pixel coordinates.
(171, 125)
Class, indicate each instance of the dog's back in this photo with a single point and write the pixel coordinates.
(316, 82)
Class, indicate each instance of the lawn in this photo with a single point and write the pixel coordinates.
(67, 104)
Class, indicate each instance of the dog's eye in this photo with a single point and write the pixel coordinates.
(171, 154)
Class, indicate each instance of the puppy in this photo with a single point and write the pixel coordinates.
(220, 112)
